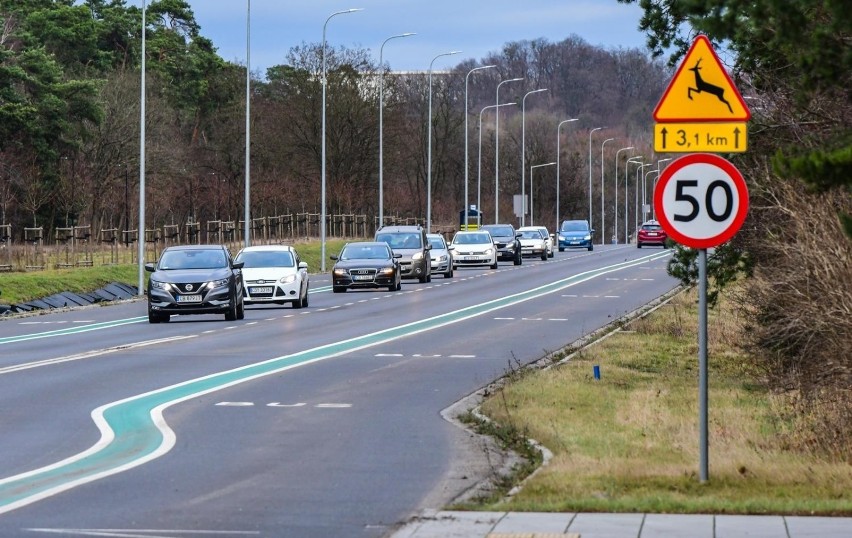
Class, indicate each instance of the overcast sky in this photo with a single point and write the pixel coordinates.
(476, 27)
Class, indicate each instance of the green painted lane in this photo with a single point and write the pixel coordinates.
(133, 430)
(72, 330)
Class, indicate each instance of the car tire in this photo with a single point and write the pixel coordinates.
(305, 300)
(448, 274)
(638, 245)
(241, 310)
(231, 314)
(544, 256)
(339, 289)
(494, 265)
(423, 279)
(399, 284)
(518, 260)
(158, 318)
(550, 254)
(591, 248)
(561, 249)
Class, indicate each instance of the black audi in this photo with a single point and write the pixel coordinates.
(366, 265)
(195, 279)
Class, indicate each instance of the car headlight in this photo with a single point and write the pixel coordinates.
(388, 271)
(287, 279)
(165, 286)
(489, 252)
(417, 256)
(588, 237)
(561, 237)
(443, 258)
(339, 272)
(217, 283)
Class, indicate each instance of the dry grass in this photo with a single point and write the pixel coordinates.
(629, 442)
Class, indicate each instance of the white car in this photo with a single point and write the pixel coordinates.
(474, 248)
(548, 237)
(533, 242)
(442, 257)
(274, 274)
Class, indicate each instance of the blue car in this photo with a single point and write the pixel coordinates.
(575, 234)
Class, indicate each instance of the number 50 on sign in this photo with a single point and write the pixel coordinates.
(702, 200)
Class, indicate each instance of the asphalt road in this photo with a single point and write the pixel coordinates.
(316, 422)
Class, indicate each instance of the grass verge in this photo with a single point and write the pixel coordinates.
(629, 441)
(19, 287)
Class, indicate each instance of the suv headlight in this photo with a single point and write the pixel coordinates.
(489, 252)
(287, 279)
(165, 286)
(588, 237)
(417, 256)
(217, 283)
(561, 237)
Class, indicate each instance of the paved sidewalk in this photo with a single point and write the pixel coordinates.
(446, 524)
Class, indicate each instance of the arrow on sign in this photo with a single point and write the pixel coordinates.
(664, 132)
(737, 137)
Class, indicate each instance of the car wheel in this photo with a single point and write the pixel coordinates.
(591, 247)
(550, 254)
(518, 260)
(241, 310)
(423, 279)
(448, 274)
(305, 300)
(158, 318)
(231, 314)
(494, 265)
(399, 284)
(339, 289)
(638, 245)
(561, 249)
(544, 256)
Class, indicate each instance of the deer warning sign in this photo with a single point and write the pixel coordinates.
(701, 90)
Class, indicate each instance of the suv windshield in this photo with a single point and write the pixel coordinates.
(574, 226)
(400, 240)
(500, 231)
(193, 259)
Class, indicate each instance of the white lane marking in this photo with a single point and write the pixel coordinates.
(530, 319)
(270, 319)
(231, 327)
(462, 356)
(84, 321)
(569, 296)
(251, 323)
(90, 354)
(591, 296)
(419, 356)
(235, 404)
(505, 319)
(389, 355)
(277, 404)
(208, 332)
(611, 296)
(557, 319)
(647, 280)
(333, 406)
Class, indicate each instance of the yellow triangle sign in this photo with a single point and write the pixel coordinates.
(701, 90)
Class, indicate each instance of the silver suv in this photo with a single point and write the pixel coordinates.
(411, 242)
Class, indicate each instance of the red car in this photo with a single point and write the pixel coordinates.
(651, 233)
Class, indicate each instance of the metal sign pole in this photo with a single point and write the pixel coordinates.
(702, 363)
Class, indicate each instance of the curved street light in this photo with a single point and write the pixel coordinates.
(523, 152)
(558, 155)
(654, 209)
(429, 159)
(322, 181)
(638, 177)
(532, 220)
(466, 165)
(381, 124)
(590, 173)
(479, 166)
(615, 227)
(635, 160)
(497, 151)
(603, 222)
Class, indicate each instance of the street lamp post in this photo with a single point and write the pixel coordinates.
(645, 188)
(140, 233)
(324, 84)
(653, 208)
(590, 173)
(603, 190)
(532, 220)
(466, 165)
(639, 175)
(635, 160)
(523, 153)
(497, 151)
(381, 124)
(247, 202)
(615, 227)
(479, 165)
(429, 157)
(558, 154)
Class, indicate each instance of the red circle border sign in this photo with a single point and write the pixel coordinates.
(727, 168)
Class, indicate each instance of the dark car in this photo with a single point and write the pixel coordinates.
(651, 233)
(366, 265)
(507, 241)
(575, 234)
(195, 279)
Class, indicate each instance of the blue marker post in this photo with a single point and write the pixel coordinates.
(597, 370)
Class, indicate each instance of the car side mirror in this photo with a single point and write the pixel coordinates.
(150, 267)
(303, 265)
(518, 235)
(428, 246)
(451, 247)
(238, 265)
(397, 255)
(334, 257)
(592, 231)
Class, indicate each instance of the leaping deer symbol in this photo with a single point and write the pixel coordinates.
(702, 86)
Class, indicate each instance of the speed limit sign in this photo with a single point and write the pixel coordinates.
(702, 200)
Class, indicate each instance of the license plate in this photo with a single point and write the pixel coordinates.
(260, 290)
(189, 298)
(362, 277)
(575, 242)
(652, 234)
(471, 258)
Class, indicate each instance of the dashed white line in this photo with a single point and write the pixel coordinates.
(333, 406)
